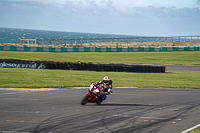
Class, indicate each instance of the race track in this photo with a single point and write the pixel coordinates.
(127, 110)
(183, 67)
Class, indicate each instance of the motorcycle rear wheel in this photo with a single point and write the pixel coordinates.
(85, 99)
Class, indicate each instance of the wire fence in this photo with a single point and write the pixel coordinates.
(108, 40)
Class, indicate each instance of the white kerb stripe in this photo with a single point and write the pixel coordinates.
(190, 129)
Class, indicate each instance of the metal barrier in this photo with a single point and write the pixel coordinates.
(28, 41)
(108, 40)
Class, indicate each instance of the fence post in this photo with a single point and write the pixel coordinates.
(100, 40)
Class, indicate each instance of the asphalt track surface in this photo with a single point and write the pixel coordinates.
(183, 67)
(126, 110)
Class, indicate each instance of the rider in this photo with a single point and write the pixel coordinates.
(107, 86)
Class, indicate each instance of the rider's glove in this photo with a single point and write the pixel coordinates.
(110, 90)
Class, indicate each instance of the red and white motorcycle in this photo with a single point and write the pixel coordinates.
(95, 94)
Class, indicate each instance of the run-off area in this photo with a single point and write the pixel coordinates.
(136, 110)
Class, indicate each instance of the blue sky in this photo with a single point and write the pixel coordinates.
(124, 17)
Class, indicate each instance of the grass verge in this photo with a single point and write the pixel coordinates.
(33, 78)
(178, 57)
(37, 78)
(197, 130)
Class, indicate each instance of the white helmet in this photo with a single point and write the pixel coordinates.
(106, 79)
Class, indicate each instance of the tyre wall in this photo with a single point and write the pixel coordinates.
(6, 63)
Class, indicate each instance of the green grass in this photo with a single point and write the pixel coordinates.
(36, 78)
(178, 57)
(33, 78)
(197, 130)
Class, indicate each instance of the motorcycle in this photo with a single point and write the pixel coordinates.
(95, 95)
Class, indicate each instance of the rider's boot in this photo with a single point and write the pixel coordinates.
(99, 101)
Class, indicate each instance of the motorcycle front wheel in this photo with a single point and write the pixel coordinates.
(85, 99)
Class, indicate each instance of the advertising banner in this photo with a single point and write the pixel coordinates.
(21, 64)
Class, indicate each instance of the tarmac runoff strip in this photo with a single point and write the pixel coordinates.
(190, 129)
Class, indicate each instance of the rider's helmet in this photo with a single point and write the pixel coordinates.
(106, 79)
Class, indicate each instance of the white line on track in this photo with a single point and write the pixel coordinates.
(190, 129)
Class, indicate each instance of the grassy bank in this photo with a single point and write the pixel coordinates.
(35, 78)
(178, 57)
(197, 130)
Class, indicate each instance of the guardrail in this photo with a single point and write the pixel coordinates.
(108, 40)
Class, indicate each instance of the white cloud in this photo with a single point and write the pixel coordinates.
(138, 3)
(156, 3)
(104, 16)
